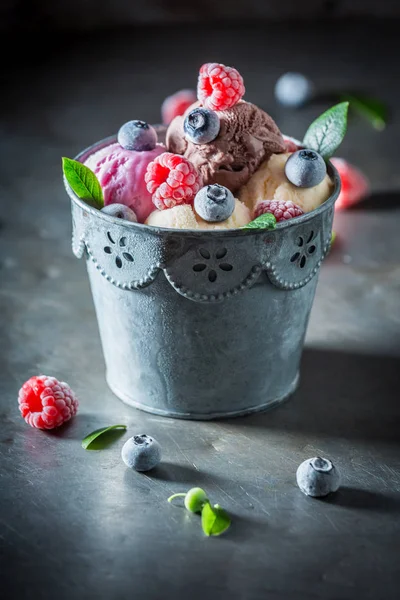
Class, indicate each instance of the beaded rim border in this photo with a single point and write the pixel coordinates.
(284, 284)
(248, 281)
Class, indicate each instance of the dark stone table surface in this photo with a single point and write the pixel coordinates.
(78, 524)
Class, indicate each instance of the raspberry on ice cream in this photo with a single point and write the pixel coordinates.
(121, 176)
(219, 87)
(172, 180)
(176, 104)
(45, 402)
(292, 145)
(281, 210)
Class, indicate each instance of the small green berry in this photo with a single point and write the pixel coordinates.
(195, 500)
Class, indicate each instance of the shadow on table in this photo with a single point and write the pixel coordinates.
(364, 499)
(389, 200)
(244, 528)
(168, 471)
(341, 394)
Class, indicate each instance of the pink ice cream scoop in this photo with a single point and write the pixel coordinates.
(121, 175)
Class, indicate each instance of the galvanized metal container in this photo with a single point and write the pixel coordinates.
(201, 324)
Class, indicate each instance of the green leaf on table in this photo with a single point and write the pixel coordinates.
(265, 221)
(89, 439)
(214, 519)
(326, 133)
(373, 110)
(333, 238)
(83, 181)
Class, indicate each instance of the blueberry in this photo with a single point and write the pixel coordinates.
(141, 452)
(305, 168)
(120, 211)
(317, 477)
(137, 135)
(293, 89)
(214, 203)
(201, 125)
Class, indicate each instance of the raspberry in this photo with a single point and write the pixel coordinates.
(292, 145)
(45, 402)
(172, 180)
(355, 186)
(219, 87)
(280, 209)
(176, 104)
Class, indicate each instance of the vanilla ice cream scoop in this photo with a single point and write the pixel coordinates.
(241, 216)
(178, 217)
(184, 217)
(269, 182)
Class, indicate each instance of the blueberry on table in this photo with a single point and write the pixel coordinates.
(137, 135)
(293, 89)
(305, 168)
(201, 125)
(214, 203)
(317, 477)
(120, 211)
(141, 452)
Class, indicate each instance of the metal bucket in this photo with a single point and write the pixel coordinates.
(201, 324)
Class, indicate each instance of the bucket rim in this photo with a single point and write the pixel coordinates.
(204, 233)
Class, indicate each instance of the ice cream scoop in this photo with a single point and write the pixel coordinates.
(271, 183)
(178, 217)
(247, 136)
(184, 217)
(121, 175)
(241, 216)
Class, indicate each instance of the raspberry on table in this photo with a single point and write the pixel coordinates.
(172, 180)
(355, 185)
(45, 402)
(177, 104)
(219, 87)
(282, 210)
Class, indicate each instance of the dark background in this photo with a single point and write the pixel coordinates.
(76, 524)
(92, 15)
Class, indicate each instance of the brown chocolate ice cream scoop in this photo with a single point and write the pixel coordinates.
(247, 137)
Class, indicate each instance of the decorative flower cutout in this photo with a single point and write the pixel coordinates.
(213, 263)
(119, 248)
(307, 249)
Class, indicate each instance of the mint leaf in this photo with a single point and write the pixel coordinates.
(371, 109)
(214, 519)
(83, 181)
(89, 439)
(265, 221)
(326, 133)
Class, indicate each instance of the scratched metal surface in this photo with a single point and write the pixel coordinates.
(78, 524)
